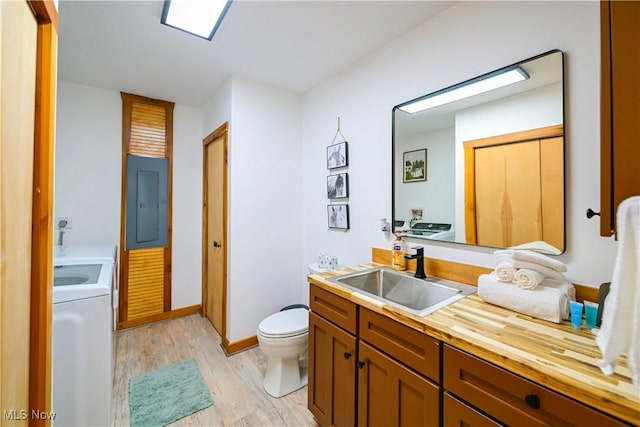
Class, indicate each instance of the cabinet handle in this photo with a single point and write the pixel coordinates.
(360, 364)
(347, 355)
(533, 401)
(591, 213)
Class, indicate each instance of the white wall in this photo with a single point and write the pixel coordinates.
(88, 163)
(88, 179)
(186, 279)
(464, 41)
(265, 200)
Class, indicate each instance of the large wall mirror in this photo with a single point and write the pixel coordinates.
(482, 162)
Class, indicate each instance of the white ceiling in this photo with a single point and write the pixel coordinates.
(121, 45)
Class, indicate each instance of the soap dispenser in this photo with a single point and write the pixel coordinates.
(399, 249)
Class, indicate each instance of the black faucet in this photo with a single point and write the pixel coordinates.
(419, 257)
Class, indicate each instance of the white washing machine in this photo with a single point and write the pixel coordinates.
(83, 340)
(78, 254)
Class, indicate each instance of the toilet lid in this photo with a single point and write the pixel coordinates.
(285, 323)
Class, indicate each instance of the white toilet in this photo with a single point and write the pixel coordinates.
(284, 338)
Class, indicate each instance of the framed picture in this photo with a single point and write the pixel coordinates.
(338, 186)
(337, 156)
(415, 165)
(338, 216)
(416, 214)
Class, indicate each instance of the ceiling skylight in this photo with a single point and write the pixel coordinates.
(491, 82)
(198, 17)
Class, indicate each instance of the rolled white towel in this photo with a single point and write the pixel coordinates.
(528, 279)
(530, 256)
(518, 264)
(505, 272)
(549, 303)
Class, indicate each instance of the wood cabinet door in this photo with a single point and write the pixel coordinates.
(332, 373)
(390, 394)
(620, 108)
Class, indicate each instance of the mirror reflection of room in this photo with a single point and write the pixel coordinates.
(495, 164)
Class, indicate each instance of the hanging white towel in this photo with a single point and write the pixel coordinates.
(530, 256)
(620, 327)
(505, 272)
(528, 279)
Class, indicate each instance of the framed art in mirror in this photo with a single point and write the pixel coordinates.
(415, 165)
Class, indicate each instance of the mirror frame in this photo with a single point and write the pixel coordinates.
(464, 83)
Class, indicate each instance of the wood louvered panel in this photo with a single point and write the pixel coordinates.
(148, 130)
(146, 282)
(145, 285)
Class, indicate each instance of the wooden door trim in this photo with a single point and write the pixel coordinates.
(221, 131)
(41, 309)
(470, 146)
(606, 122)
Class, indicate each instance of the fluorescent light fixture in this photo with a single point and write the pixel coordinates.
(471, 88)
(198, 17)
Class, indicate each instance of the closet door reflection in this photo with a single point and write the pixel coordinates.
(514, 189)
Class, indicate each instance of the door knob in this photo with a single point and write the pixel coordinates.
(216, 244)
(360, 364)
(347, 355)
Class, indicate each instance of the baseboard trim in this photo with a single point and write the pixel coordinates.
(465, 273)
(231, 348)
(179, 312)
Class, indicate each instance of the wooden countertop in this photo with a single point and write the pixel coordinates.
(554, 355)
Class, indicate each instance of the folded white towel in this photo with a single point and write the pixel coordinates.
(564, 286)
(545, 302)
(620, 327)
(517, 264)
(505, 272)
(539, 246)
(530, 256)
(528, 279)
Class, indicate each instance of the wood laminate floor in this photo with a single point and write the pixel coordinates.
(235, 382)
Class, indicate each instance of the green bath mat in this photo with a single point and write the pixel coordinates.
(165, 395)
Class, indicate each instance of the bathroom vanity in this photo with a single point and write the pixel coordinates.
(468, 363)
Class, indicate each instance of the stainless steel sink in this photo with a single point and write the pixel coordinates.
(400, 289)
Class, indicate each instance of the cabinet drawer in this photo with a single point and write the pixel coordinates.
(409, 346)
(457, 414)
(511, 399)
(333, 308)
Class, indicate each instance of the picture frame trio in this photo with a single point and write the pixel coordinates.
(338, 186)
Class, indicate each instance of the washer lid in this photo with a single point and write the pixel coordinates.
(285, 323)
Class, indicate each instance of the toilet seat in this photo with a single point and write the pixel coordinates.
(284, 324)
